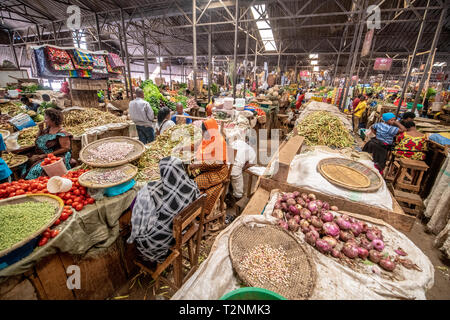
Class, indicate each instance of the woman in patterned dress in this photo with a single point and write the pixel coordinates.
(410, 144)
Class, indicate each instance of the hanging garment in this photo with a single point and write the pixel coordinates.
(78, 65)
(99, 64)
(116, 70)
(59, 59)
(43, 69)
(83, 58)
(115, 61)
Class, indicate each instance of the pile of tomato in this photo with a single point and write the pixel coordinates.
(52, 233)
(51, 158)
(77, 197)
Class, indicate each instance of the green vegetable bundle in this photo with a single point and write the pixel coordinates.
(323, 128)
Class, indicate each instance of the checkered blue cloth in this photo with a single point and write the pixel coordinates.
(83, 58)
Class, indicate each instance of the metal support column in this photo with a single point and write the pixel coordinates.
(159, 59)
(126, 53)
(234, 77)
(98, 32)
(278, 65)
(209, 62)
(11, 42)
(408, 73)
(245, 62)
(194, 38)
(256, 59)
(144, 38)
(295, 72)
(430, 57)
(370, 59)
(122, 54)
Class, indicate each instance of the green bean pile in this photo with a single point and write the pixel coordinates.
(19, 221)
(324, 129)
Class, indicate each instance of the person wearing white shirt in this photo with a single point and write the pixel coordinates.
(164, 121)
(142, 115)
(244, 158)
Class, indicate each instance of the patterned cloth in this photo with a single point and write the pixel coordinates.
(111, 69)
(83, 58)
(410, 147)
(59, 59)
(77, 65)
(80, 73)
(42, 67)
(385, 132)
(155, 207)
(115, 60)
(210, 181)
(99, 64)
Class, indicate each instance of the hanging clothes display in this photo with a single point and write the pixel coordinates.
(42, 66)
(115, 61)
(99, 64)
(59, 59)
(77, 64)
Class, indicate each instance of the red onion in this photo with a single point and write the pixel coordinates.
(364, 243)
(311, 238)
(312, 206)
(284, 197)
(305, 213)
(334, 208)
(316, 222)
(283, 224)
(315, 233)
(327, 216)
(304, 224)
(343, 224)
(299, 207)
(319, 204)
(323, 246)
(356, 228)
(374, 233)
(365, 227)
(277, 213)
(304, 196)
(331, 229)
(312, 228)
(326, 205)
(296, 194)
(284, 206)
(301, 202)
(307, 201)
(353, 241)
(277, 204)
(350, 250)
(312, 196)
(287, 215)
(345, 235)
(374, 256)
(331, 241)
(293, 225)
(378, 244)
(294, 210)
(297, 219)
(400, 252)
(363, 253)
(387, 264)
(345, 217)
(290, 195)
(335, 253)
(291, 202)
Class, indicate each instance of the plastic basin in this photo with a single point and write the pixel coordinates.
(56, 169)
(252, 293)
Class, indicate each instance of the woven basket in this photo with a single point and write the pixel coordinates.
(19, 160)
(349, 174)
(129, 170)
(41, 197)
(139, 149)
(302, 282)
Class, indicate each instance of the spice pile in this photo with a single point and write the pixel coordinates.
(78, 121)
(27, 137)
(323, 128)
(266, 264)
(110, 151)
(178, 136)
(19, 221)
(341, 236)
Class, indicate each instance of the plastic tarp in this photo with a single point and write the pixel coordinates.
(303, 173)
(215, 276)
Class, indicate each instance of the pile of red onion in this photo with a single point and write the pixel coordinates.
(337, 235)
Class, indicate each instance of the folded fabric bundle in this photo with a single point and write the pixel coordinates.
(99, 64)
(43, 70)
(78, 65)
(59, 59)
(80, 74)
(115, 61)
(117, 70)
(83, 58)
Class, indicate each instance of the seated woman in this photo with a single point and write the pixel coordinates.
(410, 144)
(164, 121)
(210, 170)
(53, 139)
(155, 207)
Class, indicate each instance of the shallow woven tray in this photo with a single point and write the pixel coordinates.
(21, 159)
(243, 239)
(139, 149)
(130, 170)
(349, 174)
(41, 197)
(5, 134)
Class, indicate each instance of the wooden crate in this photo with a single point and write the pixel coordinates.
(98, 85)
(79, 84)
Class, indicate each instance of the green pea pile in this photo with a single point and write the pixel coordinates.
(19, 221)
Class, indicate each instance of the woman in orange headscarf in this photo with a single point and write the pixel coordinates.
(211, 170)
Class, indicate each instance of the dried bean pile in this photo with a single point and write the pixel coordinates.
(106, 177)
(110, 151)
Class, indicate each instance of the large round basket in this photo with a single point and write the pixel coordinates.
(85, 179)
(302, 267)
(349, 174)
(138, 150)
(27, 245)
(17, 160)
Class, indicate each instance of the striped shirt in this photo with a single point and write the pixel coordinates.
(385, 132)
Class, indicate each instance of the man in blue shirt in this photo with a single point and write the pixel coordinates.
(5, 172)
(30, 105)
(180, 112)
(385, 132)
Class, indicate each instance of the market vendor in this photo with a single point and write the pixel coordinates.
(358, 113)
(53, 139)
(301, 97)
(156, 205)
(209, 107)
(142, 115)
(33, 106)
(410, 144)
(210, 169)
(164, 121)
(5, 172)
(380, 145)
(407, 117)
(181, 112)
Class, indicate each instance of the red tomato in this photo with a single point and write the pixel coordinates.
(57, 222)
(67, 208)
(44, 190)
(46, 234)
(64, 216)
(13, 194)
(69, 202)
(19, 192)
(54, 233)
(77, 199)
(76, 192)
(79, 207)
(34, 191)
(43, 241)
(85, 202)
(10, 190)
(74, 204)
(83, 191)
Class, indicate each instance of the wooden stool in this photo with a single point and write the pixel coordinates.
(410, 174)
(407, 200)
(391, 170)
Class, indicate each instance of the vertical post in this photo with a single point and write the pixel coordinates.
(126, 52)
(246, 62)
(144, 37)
(99, 42)
(170, 72)
(194, 36)
(209, 61)
(370, 59)
(430, 57)
(408, 72)
(54, 33)
(122, 55)
(278, 64)
(256, 59)
(234, 77)
(159, 59)
(295, 70)
(11, 41)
